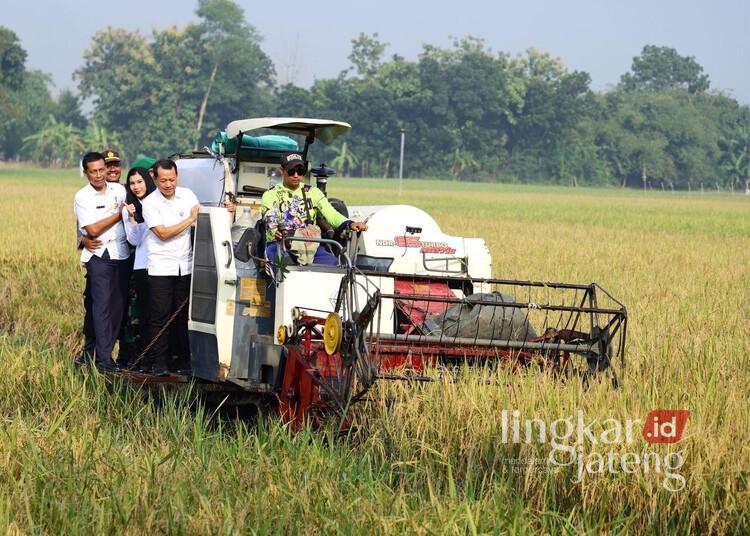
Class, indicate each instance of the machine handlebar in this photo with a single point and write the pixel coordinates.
(341, 253)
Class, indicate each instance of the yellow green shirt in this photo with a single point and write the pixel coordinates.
(280, 204)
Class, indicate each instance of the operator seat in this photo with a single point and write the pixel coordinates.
(251, 244)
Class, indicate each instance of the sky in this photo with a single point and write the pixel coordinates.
(309, 40)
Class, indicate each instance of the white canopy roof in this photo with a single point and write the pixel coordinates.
(325, 130)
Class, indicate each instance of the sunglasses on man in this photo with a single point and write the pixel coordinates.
(298, 170)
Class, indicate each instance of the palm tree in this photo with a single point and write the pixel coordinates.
(97, 138)
(462, 161)
(345, 161)
(736, 158)
(55, 144)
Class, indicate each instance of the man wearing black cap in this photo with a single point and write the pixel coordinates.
(112, 161)
(291, 207)
(114, 174)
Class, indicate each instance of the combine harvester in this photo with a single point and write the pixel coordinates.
(406, 300)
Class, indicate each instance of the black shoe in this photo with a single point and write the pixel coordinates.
(89, 347)
(140, 366)
(82, 360)
(160, 371)
(107, 367)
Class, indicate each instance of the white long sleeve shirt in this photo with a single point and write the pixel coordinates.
(136, 234)
(90, 207)
(173, 256)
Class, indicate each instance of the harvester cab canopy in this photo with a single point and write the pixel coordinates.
(324, 130)
(243, 160)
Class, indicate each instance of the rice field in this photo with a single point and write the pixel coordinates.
(82, 455)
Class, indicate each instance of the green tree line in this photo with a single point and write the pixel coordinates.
(470, 113)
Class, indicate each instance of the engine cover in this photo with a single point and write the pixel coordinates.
(405, 239)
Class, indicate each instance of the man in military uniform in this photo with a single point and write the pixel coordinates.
(291, 208)
(114, 168)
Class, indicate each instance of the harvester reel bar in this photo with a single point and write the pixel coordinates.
(444, 320)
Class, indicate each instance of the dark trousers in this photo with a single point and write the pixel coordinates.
(136, 323)
(89, 345)
(140, 282)
(127, 346)
(166, 294)
(89, 334)
(322, 255)
(107, 279)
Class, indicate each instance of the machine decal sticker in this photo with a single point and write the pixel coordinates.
(415, 242)
(253, 290)
(442, 249)
(257, 310)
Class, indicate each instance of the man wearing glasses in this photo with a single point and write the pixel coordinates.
(98, 208)
(292, 207)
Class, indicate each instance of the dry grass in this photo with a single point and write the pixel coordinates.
(81, 455)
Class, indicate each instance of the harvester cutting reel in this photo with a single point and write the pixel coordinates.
(327, 355)
(572, 330)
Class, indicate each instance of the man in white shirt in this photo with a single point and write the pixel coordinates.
(114, 172)
(98, 207)
(169, 212)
